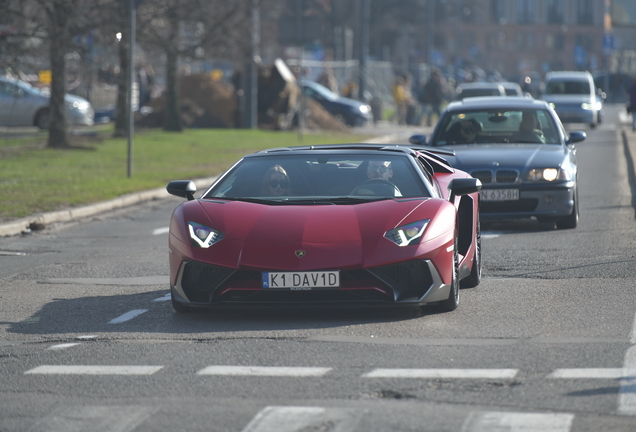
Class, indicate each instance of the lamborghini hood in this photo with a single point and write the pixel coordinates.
(269, 236)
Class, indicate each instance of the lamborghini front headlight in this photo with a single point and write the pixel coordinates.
(409, 234)
(203, 236)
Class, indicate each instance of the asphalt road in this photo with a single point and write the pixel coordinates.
(88, 340)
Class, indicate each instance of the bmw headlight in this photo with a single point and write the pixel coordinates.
(203, 236)
(547, 174)
(409, 234)
(365, 109)
(587, 106)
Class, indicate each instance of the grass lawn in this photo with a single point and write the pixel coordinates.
(36, 179)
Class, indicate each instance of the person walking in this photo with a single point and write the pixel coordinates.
(400, 99)
(631, 108)
(433, 94)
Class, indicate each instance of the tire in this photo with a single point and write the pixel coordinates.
(571, 221)
(451, 303)
(42, 119)
(474, 278)
(180, 307)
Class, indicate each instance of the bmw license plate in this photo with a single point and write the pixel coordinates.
(301, 280)
(499, 194)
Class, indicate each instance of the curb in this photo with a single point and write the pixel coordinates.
(23, 225)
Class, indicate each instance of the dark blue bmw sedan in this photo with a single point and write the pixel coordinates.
(520, 151)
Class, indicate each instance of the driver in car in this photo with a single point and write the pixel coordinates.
(379, 174)
(379, 170)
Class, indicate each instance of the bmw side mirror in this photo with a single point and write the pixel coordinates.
(182, 189)
(463, 186)
(576, 136)
(418, 139)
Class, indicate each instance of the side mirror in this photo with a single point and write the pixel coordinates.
(418, 139)
(463, 186)
(182, 189)
(576, 136)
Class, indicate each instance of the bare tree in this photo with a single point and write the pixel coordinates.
(182, 28)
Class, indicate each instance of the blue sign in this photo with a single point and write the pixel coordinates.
(580, 56)
(608, 43)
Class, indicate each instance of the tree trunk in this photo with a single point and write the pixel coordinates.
(172, 113)
(57, 105)
(122, 111)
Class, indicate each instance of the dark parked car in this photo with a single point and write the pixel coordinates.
(349, 111)
(520, 151)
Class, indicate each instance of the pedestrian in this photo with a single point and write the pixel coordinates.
(399, 97)
(432, 96)
(631, 107)
(350, 90)
(327, 79)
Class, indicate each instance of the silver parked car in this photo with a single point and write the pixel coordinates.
(21, 104)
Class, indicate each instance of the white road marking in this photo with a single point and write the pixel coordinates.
(94, 418)
(264, 371)
(587, 373)
(160, 231)
(489, 236)
(517, 422)
(442, 373)
(93, 370)
(284, 419)
(632, 335)
(128, 316)
(85, 337)
(62, 346)
(627, 390)
(167, 297)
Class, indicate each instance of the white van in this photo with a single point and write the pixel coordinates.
(573, 95)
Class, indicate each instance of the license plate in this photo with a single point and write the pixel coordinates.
(499, 194)
(301, 280)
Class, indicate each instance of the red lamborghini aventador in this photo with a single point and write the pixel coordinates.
(360, 224)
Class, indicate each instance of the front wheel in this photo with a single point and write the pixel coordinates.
(451, 303)
(42, 119)
(474, 278)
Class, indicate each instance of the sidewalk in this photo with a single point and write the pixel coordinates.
(384, 132)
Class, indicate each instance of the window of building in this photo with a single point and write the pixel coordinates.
(525, 11)
(554, 12)
(585, 11)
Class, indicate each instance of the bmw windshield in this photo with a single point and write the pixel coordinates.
(532, 126)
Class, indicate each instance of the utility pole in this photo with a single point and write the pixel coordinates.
(364, 48)
(300, 8)
(131, 79)
(253, 66)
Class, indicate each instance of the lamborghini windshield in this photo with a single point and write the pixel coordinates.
(321, 178)
(533, 126)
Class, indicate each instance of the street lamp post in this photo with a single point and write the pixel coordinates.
(131, 79)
